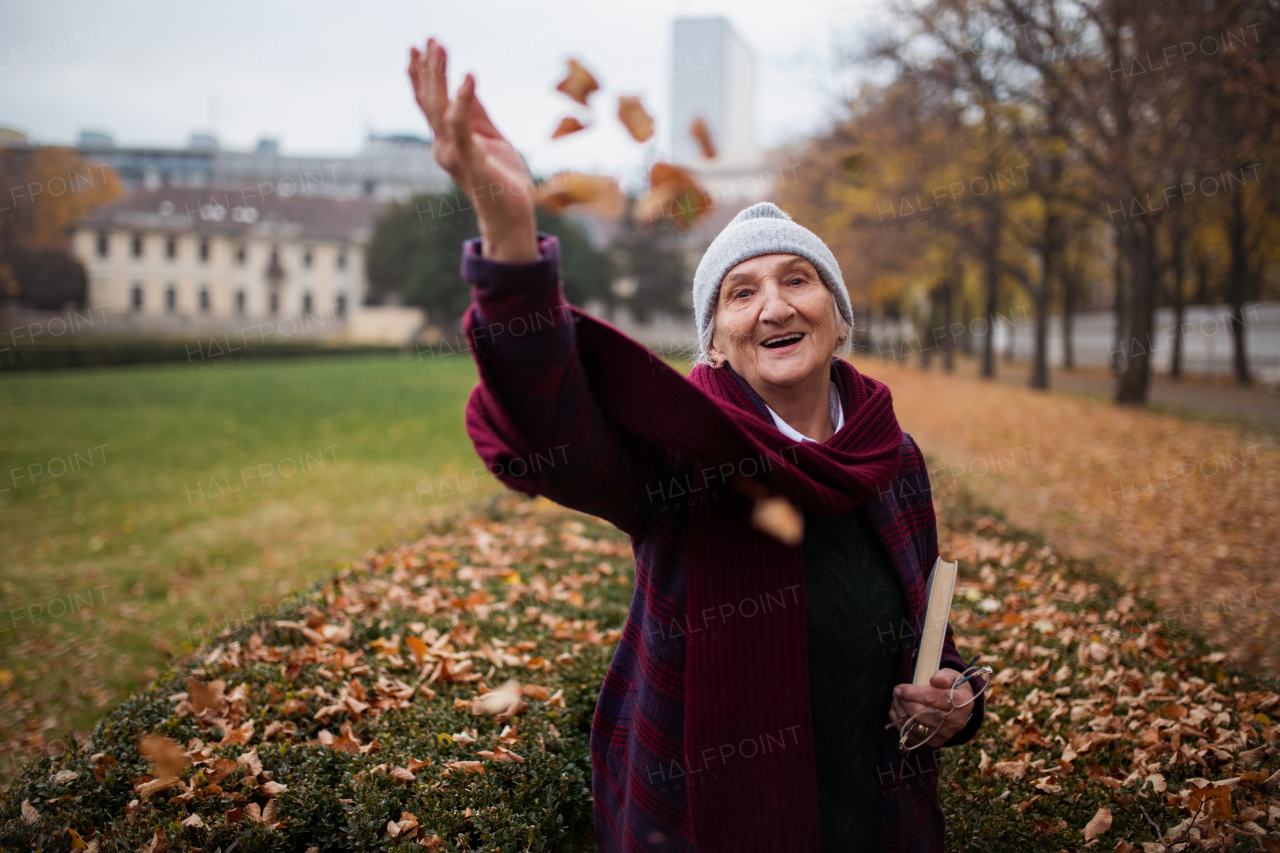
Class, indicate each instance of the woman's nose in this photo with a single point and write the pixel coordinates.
(775, 307)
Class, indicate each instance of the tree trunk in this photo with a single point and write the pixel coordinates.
(1176, 234)
(1135, 372)
(991, 264)
(1237, 286)
(949, 341)
(1122, 311)
(1069, 285)
(1040, 296)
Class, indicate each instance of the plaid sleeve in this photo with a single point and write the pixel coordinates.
(532, 418)
(928, 539)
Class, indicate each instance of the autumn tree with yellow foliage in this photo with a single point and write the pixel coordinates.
(46, 190)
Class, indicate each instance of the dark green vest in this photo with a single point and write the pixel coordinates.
(856, 606)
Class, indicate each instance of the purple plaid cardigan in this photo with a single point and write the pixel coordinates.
(524, 340)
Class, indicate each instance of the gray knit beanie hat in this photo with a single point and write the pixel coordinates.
(761, 229)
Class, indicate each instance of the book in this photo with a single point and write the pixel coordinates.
(938, 592)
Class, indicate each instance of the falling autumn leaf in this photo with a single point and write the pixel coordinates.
(166, 756)
(674, 193)
(579, 83)
(778, 517)
(497, 701)
(1099, 824)
(566, 189)
(702, 135)
(567, 125)
(635, 117)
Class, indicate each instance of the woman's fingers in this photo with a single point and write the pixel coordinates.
(460, 118)
(428, 72)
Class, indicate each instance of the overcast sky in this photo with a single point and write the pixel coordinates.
(319, 75)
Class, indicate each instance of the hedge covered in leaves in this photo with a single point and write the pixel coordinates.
(439, 696)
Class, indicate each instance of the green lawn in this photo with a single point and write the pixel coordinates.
(147, 505)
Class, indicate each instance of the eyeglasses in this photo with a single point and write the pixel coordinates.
(915, 734)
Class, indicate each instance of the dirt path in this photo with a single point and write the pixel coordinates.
(1186, 509)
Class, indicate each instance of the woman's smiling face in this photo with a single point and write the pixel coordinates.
(775, 321)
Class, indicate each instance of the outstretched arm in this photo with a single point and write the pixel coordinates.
(533, 418)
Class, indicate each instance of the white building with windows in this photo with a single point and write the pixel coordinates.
(176, 260)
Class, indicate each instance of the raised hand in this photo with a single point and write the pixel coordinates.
(482, 162)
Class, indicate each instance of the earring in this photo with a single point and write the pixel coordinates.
(840, 340)
(715, 361)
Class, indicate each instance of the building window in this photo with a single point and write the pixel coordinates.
(137, 245)
(274, 304)
(204, 250)
(341, 308)
(171, 299)
(204, 300)
(135, 298)
(171, 248)
(306, 303)
(275, 257)
(240, 255)
(342, 259)
(306, 258)
(104, 240)
(240, 302)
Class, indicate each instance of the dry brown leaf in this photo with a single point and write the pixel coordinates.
(159, 842)
(250, 762)
(673, 193)
(467, 767)
(417, 648)
(500, 753)
(193, 820)
(634, 116)
(578, 83)
(598, 193)
(1012, 770)
(1216, 800)
(1099, 824)
(778, 517)
(497, 701)
(146, 790)
(702, 134)
(29, 813)
(567, 125)
(206, 697)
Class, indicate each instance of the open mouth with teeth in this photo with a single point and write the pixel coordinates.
(783, 341)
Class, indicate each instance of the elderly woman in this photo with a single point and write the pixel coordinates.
(746, 706)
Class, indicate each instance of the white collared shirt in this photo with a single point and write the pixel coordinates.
(837, 418)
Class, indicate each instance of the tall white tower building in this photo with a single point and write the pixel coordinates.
(712, 76)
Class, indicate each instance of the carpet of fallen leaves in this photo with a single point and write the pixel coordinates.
(439, 694)
(1187, 510)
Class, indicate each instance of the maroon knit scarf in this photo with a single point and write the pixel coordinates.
(749, 750)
